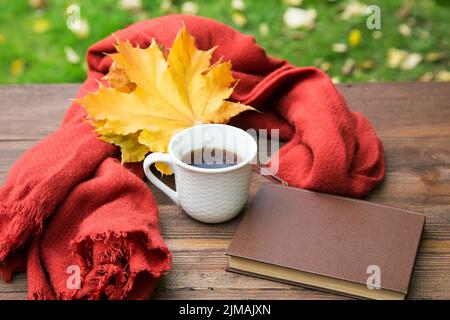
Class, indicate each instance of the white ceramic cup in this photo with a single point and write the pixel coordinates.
(208, 195)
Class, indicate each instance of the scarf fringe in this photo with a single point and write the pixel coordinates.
(17, 226)
(96, 283)
(40, 295)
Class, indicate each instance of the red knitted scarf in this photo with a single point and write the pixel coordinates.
(86, 227)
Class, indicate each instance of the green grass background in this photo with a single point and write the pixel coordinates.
(45, 60)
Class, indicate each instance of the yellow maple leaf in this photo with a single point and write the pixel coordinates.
(150, 98)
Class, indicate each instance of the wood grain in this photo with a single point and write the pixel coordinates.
(413, 121)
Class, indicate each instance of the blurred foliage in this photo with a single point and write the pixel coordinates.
(37, 46)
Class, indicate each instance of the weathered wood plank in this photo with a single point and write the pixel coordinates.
(206, 257)
(30, 112)
(412, 119)
(199, 269)
(407, 105)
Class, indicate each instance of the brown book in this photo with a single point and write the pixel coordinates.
(327, 242)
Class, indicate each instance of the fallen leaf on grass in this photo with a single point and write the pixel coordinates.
(17, 67)
(80, 29)
(443, 76)
(353, 9)
(71, 55)
(354, 37)
(403, 59)
(41, 25)
(396, 57)
(336, 80)
(426, 77)
(37, 4)
(295, 18)
(264, 29)
(130, 5)
(377, 34)
(239, 18)
(435, 56)
(189, 7)
(348, 67)
(367, 65)
(405, 9)
(325, 66)
(238, 5)
(404, 30)
(339, 47)
(411, 61)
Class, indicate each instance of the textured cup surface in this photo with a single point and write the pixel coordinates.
(208, 195)
(213, 198)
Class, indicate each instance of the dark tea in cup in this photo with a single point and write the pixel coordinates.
(211, 158)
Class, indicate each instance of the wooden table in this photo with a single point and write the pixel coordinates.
(412, 119)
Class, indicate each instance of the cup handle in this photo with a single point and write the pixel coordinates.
(160, 157)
